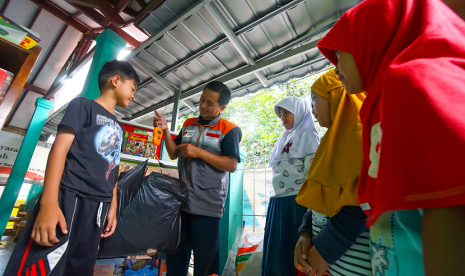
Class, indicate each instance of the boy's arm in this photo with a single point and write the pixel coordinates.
(224, 163)
(442, 235)
(50, 214)
(110, 224)
(169, 142)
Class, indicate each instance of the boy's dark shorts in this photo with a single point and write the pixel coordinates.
(75, 253)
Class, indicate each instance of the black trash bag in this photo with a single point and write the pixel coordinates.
(149, 213)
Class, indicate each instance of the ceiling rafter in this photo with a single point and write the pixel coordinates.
(62, 15)
(30, 86)
(34, 18)
(234, 40)
(243, 71)
(147, 9)
(73, 71)
(103, 21)
(238, 33)
(76, 14)
(5, 5)
(122, 4)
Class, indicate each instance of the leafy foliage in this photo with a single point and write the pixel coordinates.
(254, 114)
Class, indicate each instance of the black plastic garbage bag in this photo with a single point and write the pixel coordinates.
(148, 214)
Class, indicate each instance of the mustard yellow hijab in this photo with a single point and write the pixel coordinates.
(332, 179)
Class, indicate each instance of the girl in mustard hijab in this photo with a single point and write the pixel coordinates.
(335, 219)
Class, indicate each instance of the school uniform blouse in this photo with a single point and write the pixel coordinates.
(289, 175)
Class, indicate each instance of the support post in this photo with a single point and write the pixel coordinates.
(16, 179)
(174, 116)
(232, 218)
(109, 44)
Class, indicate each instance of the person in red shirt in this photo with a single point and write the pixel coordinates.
(409, 57)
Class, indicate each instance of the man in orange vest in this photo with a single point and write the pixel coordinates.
(207, 149)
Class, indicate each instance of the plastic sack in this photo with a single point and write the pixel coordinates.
(148, 214)
(230, 266)
(254, 265)
(252, 244)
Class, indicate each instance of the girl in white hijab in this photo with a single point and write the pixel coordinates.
(290, 160)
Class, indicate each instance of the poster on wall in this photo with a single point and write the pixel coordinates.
(138, 142)
(110, 267)
(10, 144)
(131, 266)
(9, 148)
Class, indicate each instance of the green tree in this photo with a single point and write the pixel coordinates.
(254, 114)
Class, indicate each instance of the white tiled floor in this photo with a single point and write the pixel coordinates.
(6, 247)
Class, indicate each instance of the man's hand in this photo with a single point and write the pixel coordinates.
(317, 262)
(44, 229)
(110, 224)
(190, 151)
(160, 121)
(301, 251)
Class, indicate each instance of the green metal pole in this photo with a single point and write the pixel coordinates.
(16, 179)
(233, 210)
(109, 44)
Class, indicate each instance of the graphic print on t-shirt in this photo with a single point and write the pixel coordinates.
(108, 141)
(382, 244)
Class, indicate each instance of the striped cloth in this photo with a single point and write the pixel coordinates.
(356, 261)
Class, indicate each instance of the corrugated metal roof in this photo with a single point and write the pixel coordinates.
(189, 47)
(245, 43)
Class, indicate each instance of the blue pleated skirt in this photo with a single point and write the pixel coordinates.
(283, 220)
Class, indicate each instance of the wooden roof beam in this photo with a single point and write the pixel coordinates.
(141, 3)
(93, 4)
(130, 12)
(72, 71)
(36, 89)
(76, 14)
(88, 6)
(129, 39)
(30, 86)
(122, 4)
(34, 18)
(92, 14)
(105, 23)
(147, 9)
(61, 15)
(5, 5)
(111, 13)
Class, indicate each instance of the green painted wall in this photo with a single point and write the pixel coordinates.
(234, 206)
(109, 44)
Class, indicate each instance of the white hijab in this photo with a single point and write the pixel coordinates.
(303, 135)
